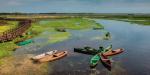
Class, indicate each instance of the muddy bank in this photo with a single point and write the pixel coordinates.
(22, 65)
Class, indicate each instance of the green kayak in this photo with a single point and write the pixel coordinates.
(25, 42)
(94, 60)
(86, 50)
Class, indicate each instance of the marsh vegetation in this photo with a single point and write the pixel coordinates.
(79, 33)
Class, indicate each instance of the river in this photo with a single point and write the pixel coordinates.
(134, 38)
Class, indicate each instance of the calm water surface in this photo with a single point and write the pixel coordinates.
(132, 37)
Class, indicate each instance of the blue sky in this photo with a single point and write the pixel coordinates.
(76, 6)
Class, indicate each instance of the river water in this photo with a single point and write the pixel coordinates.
(133, 38)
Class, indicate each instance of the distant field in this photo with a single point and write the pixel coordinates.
(73, 23)
(141, 21)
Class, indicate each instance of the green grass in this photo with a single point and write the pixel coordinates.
(72, 23)
(6, 48)
(141, 21)
(4, 53)
(39, 28)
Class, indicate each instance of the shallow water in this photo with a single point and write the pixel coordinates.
(132, 37)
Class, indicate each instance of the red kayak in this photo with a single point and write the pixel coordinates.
(113, 52)
(105, 61)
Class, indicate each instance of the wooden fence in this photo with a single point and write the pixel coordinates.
(23, 25)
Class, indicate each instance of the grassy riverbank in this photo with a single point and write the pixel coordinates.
(7, 47)
(140, 21)
(50, 26)
(36, 30)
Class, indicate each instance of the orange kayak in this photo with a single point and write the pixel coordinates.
(53, 57)
(40, 56)
(113, 52)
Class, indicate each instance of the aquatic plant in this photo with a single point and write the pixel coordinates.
(59, 36)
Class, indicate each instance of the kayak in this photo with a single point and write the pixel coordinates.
(21, 40)
(43, 55)
(105, 61)
(92, 51)
(113, 52)
(25, 42)
(94, 61)
(86, 50)
(53, 57)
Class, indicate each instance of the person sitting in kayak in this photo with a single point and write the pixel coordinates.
(113, 51)
(101, 48)
(108, 48)
(89, 48)
(107, 34)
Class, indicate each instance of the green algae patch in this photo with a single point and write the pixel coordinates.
(36, 29)
(51, 26)
(58, 37)
(71, 23)
(142, 22)
(4, 53)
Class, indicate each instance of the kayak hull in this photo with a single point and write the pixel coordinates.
(113, 52)
(40, 56)
(53, 57)
(106, 61)
(84, 51)
(25, 42)
(94, 61)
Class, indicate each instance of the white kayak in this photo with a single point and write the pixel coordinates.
(43, 55)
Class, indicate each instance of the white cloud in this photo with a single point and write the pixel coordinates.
(14, 3)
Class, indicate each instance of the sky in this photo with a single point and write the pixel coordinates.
(75, 6)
